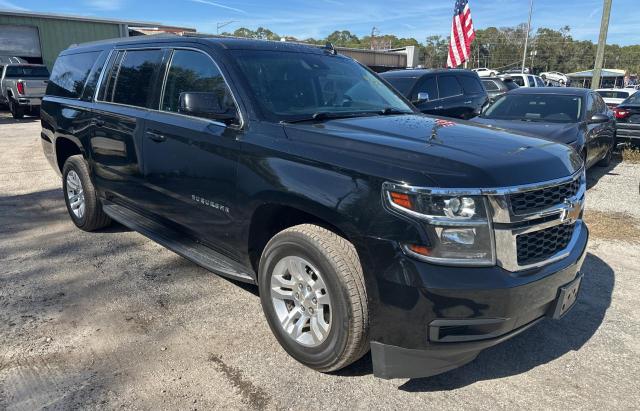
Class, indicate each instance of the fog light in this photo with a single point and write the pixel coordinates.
(463, 236)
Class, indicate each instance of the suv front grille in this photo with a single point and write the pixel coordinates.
(537, 200)
(541, 245)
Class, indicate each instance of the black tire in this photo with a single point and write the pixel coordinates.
(93, 218)
(16, 111)
(336, 258)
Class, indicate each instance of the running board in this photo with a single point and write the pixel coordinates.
(178, 242)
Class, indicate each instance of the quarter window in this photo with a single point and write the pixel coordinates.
(134, 84)
(70, 73)
(449, 86)
(471, 85)
(194, 72)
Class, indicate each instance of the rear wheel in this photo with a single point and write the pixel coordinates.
(313, 294)
(80, 196)
(16, 111)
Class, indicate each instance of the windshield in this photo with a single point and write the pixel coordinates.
(295, 86)
(633, 99)
(536, 107)
(613, 94)
(27, 71)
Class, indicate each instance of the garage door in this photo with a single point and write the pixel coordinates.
(22, 41)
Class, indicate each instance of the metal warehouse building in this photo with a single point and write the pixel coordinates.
(39, 37)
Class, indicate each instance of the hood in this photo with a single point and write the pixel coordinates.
(565, 133)
(424, 150)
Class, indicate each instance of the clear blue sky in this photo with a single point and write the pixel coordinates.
(318, 18)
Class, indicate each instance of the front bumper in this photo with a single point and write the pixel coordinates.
(390, 361)
(430, 319)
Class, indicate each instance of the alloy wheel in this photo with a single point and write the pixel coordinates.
(75, 194)
(301, 301)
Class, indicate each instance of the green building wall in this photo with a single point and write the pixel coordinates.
(58, 34)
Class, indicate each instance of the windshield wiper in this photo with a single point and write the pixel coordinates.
(324, 115)
(390, 111)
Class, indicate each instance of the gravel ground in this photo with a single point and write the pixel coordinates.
(112, 320)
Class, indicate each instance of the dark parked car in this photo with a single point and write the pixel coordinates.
(497, 86)
(628, 118)
(449, 93)
(574, 116)
(364, 224)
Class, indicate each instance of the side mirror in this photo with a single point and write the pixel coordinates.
(422, 96)
(205, 104)
(599, 118)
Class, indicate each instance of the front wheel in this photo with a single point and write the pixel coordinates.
(606, 160)
(313, 295)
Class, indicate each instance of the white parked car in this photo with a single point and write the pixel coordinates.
(614, 96)
(527, 80)
(485, 72)
(555, 76)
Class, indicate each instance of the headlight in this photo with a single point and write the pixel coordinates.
(457, 224)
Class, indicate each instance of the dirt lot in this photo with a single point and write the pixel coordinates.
(112, 320)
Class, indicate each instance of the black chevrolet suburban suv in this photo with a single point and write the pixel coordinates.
(442, 92)
(365, 224)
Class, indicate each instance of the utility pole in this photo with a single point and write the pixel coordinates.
(526, 39)
(602, 42)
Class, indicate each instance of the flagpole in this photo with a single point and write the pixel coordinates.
(526, 39)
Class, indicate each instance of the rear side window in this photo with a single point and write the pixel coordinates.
(70, 73)
(539, 82)
(133, 85)
(490, 85)
(27, 72)
(427, 85)
(471, 85)
(194, 72)
(449, 86)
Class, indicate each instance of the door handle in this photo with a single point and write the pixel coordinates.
(439, 108)
(468, 102)
(158, 138)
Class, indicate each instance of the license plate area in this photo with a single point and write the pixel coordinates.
(568, 295)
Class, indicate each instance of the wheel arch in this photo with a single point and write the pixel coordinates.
(269, 218)
(64, 148)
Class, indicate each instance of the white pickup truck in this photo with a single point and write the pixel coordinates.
(22, 87)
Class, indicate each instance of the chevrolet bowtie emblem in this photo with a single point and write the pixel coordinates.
(570, 211)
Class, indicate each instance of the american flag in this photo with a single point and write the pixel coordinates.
(462, 34)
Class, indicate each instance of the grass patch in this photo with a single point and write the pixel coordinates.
(612, 226)
(631, 155)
